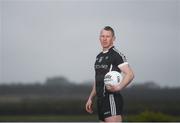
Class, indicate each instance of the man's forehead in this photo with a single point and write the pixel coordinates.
(103, 31)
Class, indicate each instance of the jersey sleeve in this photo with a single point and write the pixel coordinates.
(120, 60)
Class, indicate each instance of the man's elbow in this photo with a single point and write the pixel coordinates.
(131, 75)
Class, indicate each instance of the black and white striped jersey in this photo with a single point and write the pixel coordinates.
(102, 65)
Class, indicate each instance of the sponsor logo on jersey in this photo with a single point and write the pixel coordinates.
(103, 66)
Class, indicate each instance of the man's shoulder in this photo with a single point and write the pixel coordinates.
(99, 54)
(117, 53)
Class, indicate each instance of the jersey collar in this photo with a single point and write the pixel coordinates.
(107, 50)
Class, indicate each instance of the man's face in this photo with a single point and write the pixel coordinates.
(106, 38)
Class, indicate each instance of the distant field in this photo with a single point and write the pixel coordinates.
(40, 103)
(144, 116)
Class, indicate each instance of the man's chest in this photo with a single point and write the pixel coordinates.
(103, 62)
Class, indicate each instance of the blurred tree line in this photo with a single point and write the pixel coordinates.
(57, 95)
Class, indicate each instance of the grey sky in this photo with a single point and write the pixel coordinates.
(42, 38)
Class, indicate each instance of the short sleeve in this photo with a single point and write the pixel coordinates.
(120, 60)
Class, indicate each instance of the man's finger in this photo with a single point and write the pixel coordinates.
(109, 86)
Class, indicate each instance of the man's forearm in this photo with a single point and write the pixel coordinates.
(93, 92)
(126, 80)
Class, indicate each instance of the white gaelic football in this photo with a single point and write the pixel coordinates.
(112, 78)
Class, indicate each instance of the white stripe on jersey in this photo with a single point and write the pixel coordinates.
(122, 64)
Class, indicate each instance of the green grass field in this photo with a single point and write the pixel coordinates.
(144, 117)
(48, 118)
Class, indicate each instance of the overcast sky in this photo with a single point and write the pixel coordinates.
(47, 38)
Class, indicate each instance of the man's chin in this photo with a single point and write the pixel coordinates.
(106, 47)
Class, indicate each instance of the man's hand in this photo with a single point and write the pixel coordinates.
(89, 106)
(113, 88)
(127, 78)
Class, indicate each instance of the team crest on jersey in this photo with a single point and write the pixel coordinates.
(106, 57)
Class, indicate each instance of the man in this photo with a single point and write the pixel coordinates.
(109, 99)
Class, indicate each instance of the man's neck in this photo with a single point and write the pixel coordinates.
(107, 49)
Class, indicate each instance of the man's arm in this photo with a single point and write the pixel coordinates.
(90, 99)
(127, 78)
